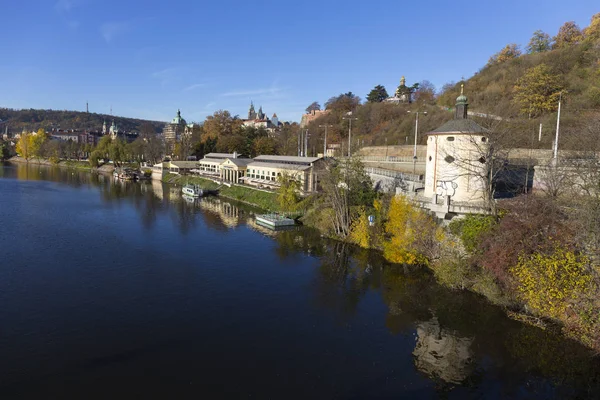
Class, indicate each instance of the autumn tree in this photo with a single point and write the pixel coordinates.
(425, 94)
(410, 232)
(314, 106)
(343, 102)
(37, 142)
(287, 194)
(346, 187)
(23, 146)
(377, 95)
(539, 42)
(592, 32)
(221, 123)
(360, 233)
(567, 35)
(509, 52)
(537, 91)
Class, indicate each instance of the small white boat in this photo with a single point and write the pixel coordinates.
(192, 190)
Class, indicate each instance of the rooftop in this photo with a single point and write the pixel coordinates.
(264, 164)
(240, 162)
(284, 159)
(465, 126)
(221, 155)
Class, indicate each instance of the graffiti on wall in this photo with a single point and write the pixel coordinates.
(446, 188)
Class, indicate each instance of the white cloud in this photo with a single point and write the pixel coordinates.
(194, 86)
(110, 30)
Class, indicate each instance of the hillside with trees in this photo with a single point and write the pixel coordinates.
(32, 120)
(520, 84)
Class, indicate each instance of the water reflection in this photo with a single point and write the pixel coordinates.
(454, 339)
(442, 354)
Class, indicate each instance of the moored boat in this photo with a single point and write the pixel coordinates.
(192, 190)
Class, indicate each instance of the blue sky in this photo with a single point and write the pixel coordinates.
(149, 58)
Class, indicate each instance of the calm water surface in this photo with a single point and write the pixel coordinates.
(113, 290)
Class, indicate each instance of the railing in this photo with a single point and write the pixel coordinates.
(392, 159)
(394, 174)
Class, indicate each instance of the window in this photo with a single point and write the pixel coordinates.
(484, 139)
(450, 138)
(429, 158)
(449, 159)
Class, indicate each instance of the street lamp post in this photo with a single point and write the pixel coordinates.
(349, 118)
(416, 133)
(325, 141)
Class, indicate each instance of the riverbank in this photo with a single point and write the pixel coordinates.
(72, 164)
(262, 199)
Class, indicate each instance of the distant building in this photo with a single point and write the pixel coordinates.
(263, 171)
(260, 120)
(311, 116)
(172, 131)
(403, 94)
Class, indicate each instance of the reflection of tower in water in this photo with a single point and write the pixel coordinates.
(157, 188)
(441, 354)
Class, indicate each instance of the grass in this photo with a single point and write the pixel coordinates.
(258, 198)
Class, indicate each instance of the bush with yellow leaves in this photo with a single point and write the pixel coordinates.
(549, 284)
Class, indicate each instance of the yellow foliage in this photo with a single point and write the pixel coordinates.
(23, 146)
(550, 283)
(537, 91)
(359, 231)
(408, 228)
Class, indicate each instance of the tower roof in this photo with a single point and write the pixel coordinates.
(178, 120)
(462, 99)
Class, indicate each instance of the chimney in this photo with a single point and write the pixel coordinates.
(235, 154)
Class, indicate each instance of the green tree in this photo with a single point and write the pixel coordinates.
(509, 52)
(4, 150)
(264, 145)
(567, 35)
(377, 95)
(539, 42)
(346, 187)
(287, 194)
(537, 91)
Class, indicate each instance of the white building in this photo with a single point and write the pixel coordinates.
(455, 161)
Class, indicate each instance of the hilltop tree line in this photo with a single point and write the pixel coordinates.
(32, 120)
(521, 87)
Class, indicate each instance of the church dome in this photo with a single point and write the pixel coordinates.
(462, 99)
(178, 120)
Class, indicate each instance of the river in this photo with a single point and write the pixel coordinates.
(125, 290)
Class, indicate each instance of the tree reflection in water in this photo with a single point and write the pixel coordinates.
(459, 339)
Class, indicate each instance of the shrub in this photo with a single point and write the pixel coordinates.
(548, 284)
(471, 229)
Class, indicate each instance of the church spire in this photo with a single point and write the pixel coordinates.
(462, 104)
